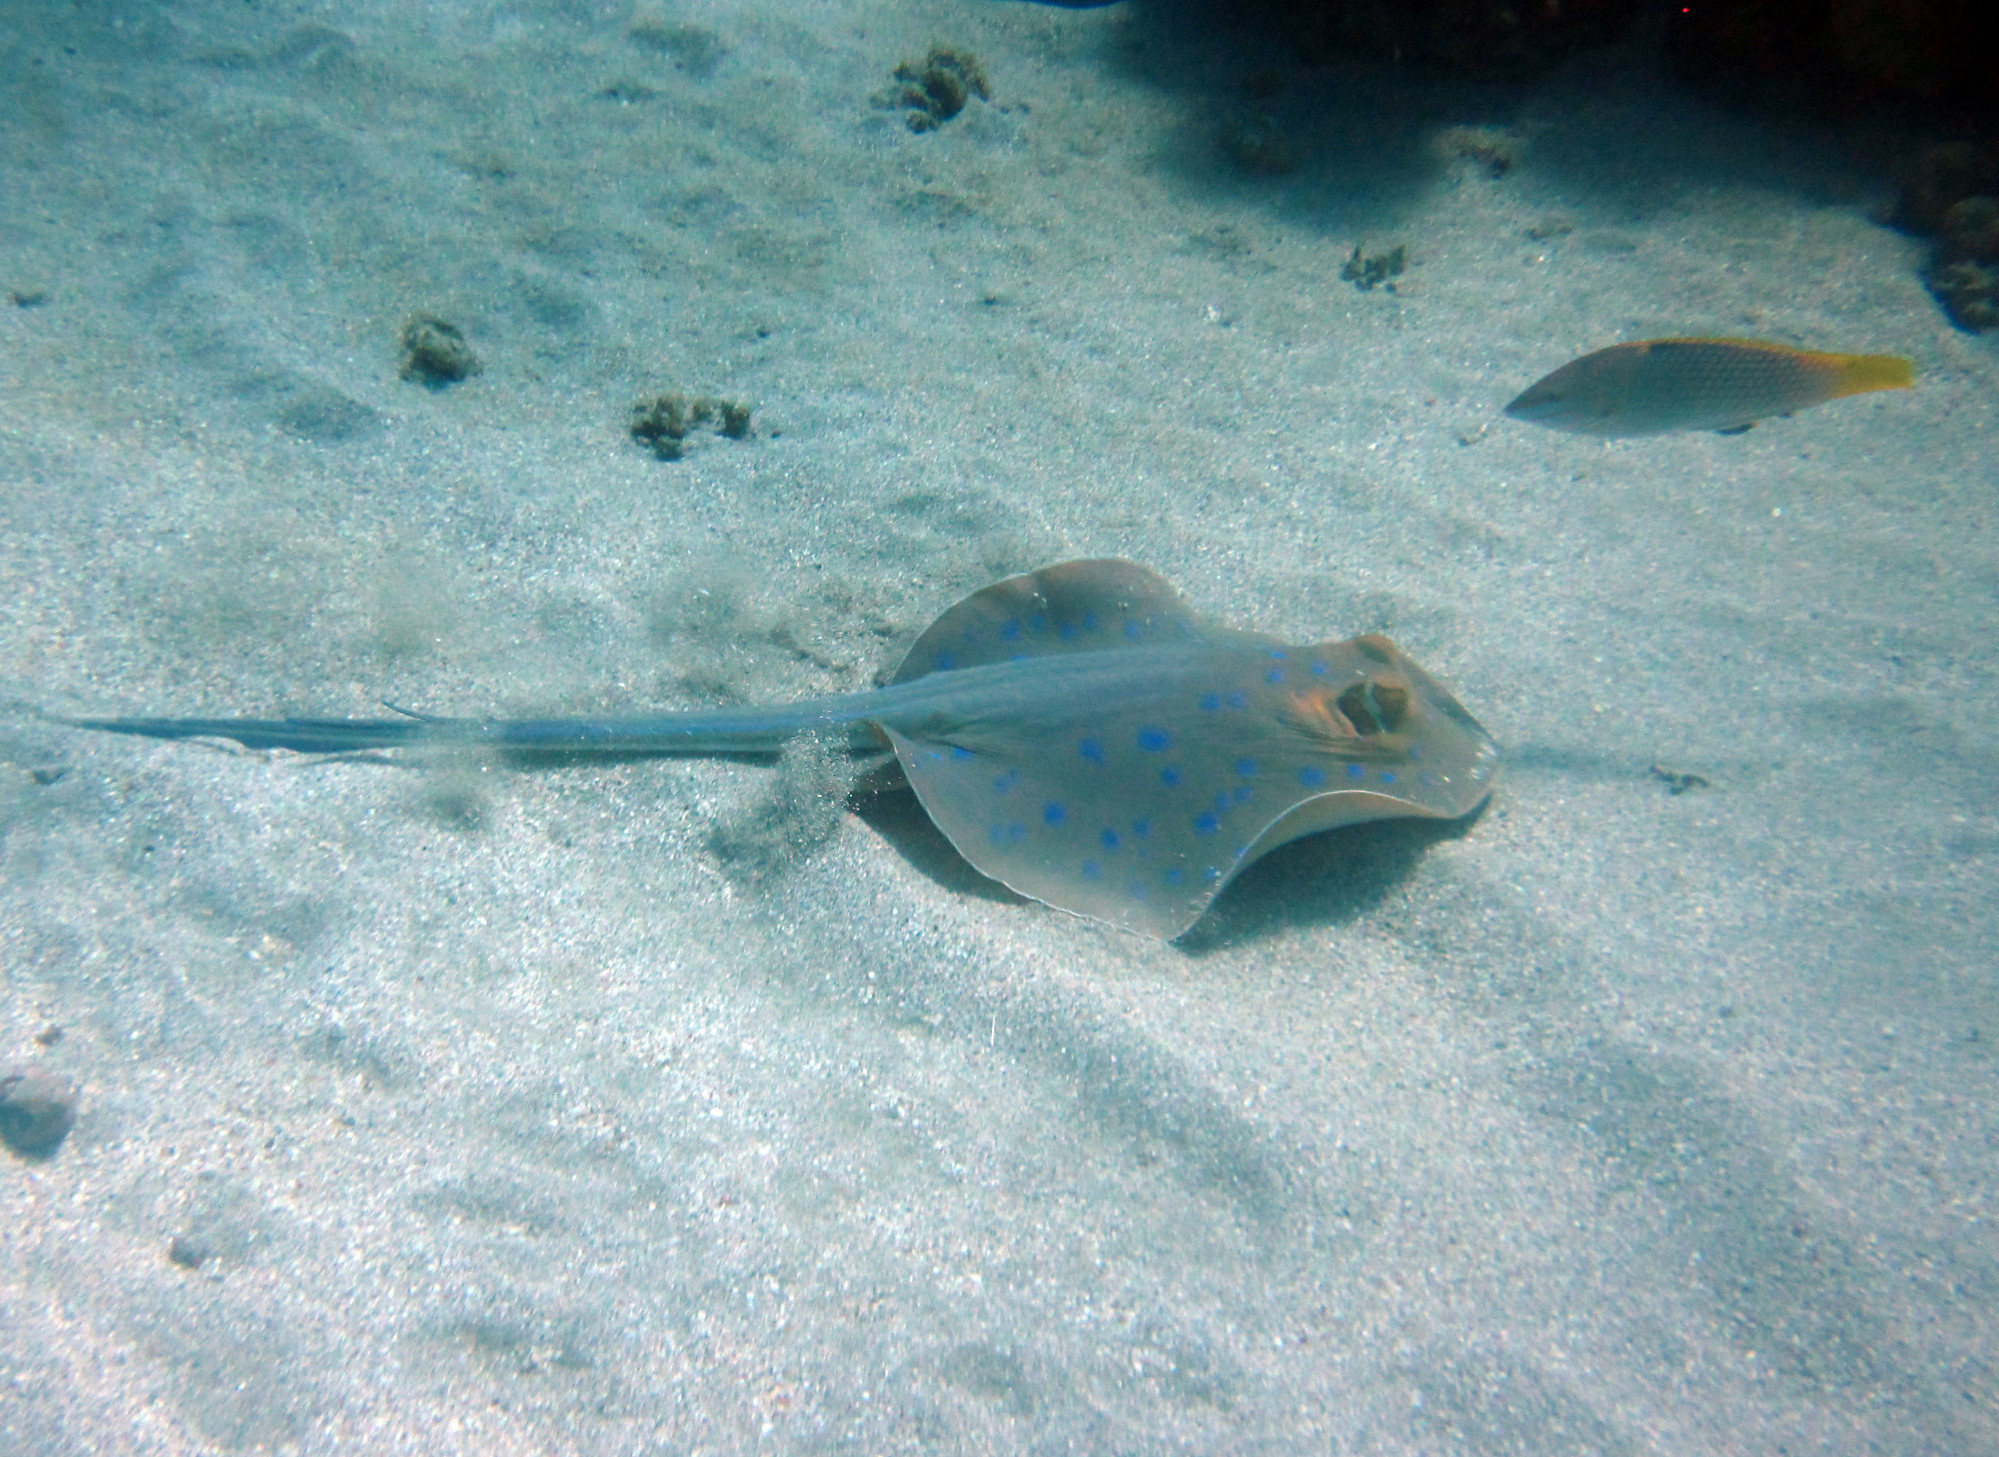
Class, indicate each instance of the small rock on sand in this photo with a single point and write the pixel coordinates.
(37, 1108)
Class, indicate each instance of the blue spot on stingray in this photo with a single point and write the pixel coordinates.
(1169, 776)
(1067, 631)
(1211, 874)
(1005, 783)
(997, 834)
(1243, 794)
(1141, 828)
(1238, 699)
(1010, 629)
(1321, 667)
(1245, 767)
(1210, 702)
(1275, 675)
(1153, 740)
(932, 754)
(1053, 812)
(1092, 749)
(1279, 653)
(959, 751)
(1311, 776)
(1110, 839)
(1092, 870)
(946, 661)
(1205, 823)
(1131, 629)
(1175, 876)
(1387, 777)
(1354, 771)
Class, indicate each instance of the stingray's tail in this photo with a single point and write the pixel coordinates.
(306, 735)
(749, 731)
(753, 731)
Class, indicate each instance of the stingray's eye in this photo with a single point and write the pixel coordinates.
(1376, 705)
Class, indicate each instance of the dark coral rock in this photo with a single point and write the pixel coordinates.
(1952, 194)
(1495, 151)
(1368, 272)
(935, 89)
(1971, 231)
(435, 353)
(663, 423)
(1969, 293)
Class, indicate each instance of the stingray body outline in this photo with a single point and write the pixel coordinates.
(1077, 733)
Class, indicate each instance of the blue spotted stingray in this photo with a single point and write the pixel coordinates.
(1077, 733)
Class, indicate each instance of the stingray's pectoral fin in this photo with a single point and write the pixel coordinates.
(1073, 607)
(1083, 842)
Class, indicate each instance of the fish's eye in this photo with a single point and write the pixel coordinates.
(1376, 705)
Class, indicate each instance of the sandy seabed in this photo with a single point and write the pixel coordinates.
(656, 1107)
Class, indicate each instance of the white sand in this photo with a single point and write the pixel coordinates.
(496, 1113)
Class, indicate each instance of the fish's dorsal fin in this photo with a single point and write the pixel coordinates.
(1074, 607)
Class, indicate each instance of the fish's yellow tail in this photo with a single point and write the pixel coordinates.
(1860, 373)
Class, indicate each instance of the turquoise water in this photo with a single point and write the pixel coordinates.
(686, 1106)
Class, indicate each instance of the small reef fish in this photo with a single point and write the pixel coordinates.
(1077, 733)
(1726, 385)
